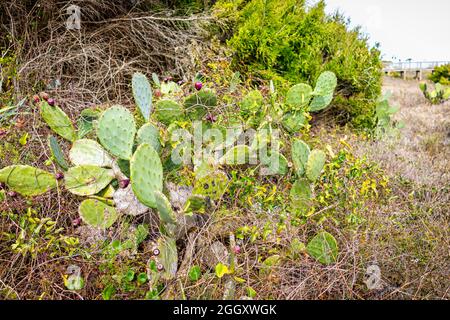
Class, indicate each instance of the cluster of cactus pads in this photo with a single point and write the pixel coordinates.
(438, 95)
(120, 171)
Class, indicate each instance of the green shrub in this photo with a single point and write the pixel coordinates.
(441, 75)
(289, 41)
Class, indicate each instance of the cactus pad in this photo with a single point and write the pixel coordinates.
(275, 164)
(212, 185)
(146, 174)
(300, 154)
(293, 121)
(300, 194)
(323, 247)
(315, 164)
(164, 208)
(252, 102)
(87, 180)
(26, 180)
(299, 96)
(116, 131)
(320, 102)
(57, 153)
(58, 121)
(326, 83)
(168, 111)
(198, 104)
(148, 133)
(142, 92)
(164, 265)
(89, 152)
(97, 214)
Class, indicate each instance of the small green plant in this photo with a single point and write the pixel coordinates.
(440, 93)
(441, 75)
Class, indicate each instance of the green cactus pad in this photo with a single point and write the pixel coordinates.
(198, 104)
(300, 194)
(236, 156)
(58, 121)
(279, 167)
(315, 164)
(149, 134)
(87, 180)
(146, 174)
(212, 185)
(57, 153)
(167, 258)
(168, 111)
(89, 152)
(116, 131)
(97, 214)
(156, 81)
(299, 96)
(26, 180)
(164, 208)
(320, 102)
(293, 121)
(326, 84)
(142, 92)
(323, 247)
(300, 154)
(252, 102)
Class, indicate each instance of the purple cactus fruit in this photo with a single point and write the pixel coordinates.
(156, 252)
(12, 194)
(124, 183)
(36, 99)
(59, 176)
(160, 267)
(211, 118)
(198, 85)
(237, 249)
(51, 102)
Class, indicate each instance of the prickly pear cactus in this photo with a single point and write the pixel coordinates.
(212, 185)
(275, 164)
(58, 121)
(198, 104)
(320, 102)
(146, 174)
(299, 96)
(164, 208)
(252, 103)
(315, 164)
(116, 131)
(293, 121)
(26, 180)
(300, 194)
(97, 214)
(168, 111)
(163, 263)
(148, 133)
(57, 153)
(89, 152)
(300, 154)
(87, 180)
(142, 92)
(326, 83)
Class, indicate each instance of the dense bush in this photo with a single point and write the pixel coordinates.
(441, 74)
(291, 41)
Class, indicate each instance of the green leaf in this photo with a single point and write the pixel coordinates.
(251, 292)
(23, 139)
(58, 121)
(142, 278)
(323, 247)
(57, 153)
(108, 292)
(221, 270)
(195, 273)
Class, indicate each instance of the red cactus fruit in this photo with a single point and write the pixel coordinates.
(36, 99)
(51, 101)
(59, 176)
(124, 183)
(44, 96)
(198, 85)
(160, 267)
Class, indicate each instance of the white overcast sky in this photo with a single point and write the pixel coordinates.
(414, 29)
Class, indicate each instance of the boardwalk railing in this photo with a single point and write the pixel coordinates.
(414, 65)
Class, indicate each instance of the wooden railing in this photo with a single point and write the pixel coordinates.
(414, 65)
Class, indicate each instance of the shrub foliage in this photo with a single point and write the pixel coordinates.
(441, 75)
(291, 41)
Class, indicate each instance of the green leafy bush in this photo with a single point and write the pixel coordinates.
(441, 75)
(287, 41)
